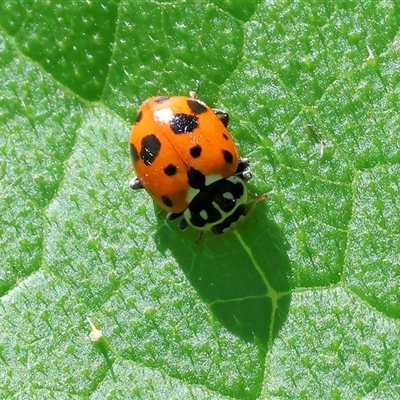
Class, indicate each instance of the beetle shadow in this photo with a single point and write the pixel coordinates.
(242, 276)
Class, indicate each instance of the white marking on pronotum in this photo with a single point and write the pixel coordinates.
(191, 194)
(228, 196)
(212, 178)
(204, 215)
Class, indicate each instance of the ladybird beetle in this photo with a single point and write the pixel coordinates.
(185, 158)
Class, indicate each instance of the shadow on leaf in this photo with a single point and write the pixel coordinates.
(242, 275)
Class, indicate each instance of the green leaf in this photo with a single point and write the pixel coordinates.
(301, 301)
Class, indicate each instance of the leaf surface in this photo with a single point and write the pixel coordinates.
(301, 301)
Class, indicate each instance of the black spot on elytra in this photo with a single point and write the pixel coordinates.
(196, 107)
(183, 123)
(150, 148)
(196, 179)
(195, 151)
(170, 170)
(222, 116)
(139, 117)
(134, 152)
(227, 156)
(167, 201)
(161, 99)
(225, 136)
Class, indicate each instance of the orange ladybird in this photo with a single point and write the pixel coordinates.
(185, 158)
